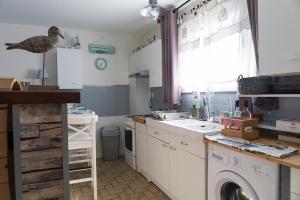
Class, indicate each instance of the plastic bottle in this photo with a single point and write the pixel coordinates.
(245, 112)
(237, 112)
(77, 43)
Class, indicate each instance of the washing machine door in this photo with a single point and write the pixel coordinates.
(231, 186)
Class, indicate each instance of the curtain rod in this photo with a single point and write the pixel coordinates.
(181, 6)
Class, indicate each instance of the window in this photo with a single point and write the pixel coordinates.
(215, 47)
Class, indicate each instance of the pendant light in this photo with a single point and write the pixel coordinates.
(151, 10)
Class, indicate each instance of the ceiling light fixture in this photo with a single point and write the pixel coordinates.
(151, 11)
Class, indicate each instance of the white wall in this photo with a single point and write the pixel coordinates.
(24, 65)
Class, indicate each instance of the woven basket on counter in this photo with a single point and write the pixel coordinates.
(255, 85)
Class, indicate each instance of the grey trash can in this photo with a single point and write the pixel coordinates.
(110, 136)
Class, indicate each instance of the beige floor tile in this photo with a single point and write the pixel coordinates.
(117, 181)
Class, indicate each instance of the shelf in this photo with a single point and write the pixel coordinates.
(272, 95)
(269, 127)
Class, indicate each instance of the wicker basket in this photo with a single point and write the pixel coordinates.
(255, 85)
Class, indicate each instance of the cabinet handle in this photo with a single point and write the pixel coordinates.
(172, 148)
(164, 145)
(184, 143)
(156, 133)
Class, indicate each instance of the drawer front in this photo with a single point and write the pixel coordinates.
(3, 145)
(4, 191)
(295, 183)
(3, 171)
(159, 134)
(194, 147)
(3, 121)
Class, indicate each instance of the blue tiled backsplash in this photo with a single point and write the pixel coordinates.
(288, 107)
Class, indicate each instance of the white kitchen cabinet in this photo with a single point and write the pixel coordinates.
(295, 181)
(148, 58)
(279, 30)
(141, 149)
(159, 163)
(187, 175)
(69, 68)
(177, 159)
(295, 197)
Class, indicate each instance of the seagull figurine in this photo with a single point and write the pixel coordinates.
(38, 44)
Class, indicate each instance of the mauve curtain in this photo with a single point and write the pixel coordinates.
(169, 40)
(253, 17)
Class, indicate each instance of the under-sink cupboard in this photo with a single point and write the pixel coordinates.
(176, 164)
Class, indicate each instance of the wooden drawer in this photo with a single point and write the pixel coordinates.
(3, 171)
(3, 120)
(3, 145)
(4, 191)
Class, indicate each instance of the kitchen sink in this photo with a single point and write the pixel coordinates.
(183, 122)
(204, 127)
(195, 125)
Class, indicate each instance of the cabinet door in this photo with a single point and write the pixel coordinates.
(141, 151)
(295, 197)
(159, 162)
(295, 181)
(176, 173)
(69, 68)
(279, 30)
(187, 175)
(155, 64)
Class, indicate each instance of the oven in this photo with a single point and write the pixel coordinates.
(129, 142)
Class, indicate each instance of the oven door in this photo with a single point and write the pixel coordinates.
(130, 140)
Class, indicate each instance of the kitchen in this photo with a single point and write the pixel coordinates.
(131, 103)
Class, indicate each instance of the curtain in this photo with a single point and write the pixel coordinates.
(253, 17)
(215, 46)
(169, 39)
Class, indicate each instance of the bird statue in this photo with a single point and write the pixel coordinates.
(38, 44)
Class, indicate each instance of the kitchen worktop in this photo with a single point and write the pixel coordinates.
(39, 96)
(291, 161)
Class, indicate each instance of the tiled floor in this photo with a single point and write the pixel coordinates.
(117, 181)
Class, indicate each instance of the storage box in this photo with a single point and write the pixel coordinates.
(240, 128)
(289, 125)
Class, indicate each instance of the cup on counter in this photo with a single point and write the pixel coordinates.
(25, 85)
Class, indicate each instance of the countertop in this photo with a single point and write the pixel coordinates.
(291, 161)
(39, 96)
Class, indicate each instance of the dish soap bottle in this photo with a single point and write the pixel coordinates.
(245, 112)
(195, 106)
(237, 112)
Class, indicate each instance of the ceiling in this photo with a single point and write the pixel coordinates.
(116, 16)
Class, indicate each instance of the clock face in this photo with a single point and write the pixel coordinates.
(100, 64)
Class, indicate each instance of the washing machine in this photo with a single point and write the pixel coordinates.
(236, 176)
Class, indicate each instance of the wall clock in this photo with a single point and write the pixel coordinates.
(100, 64)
